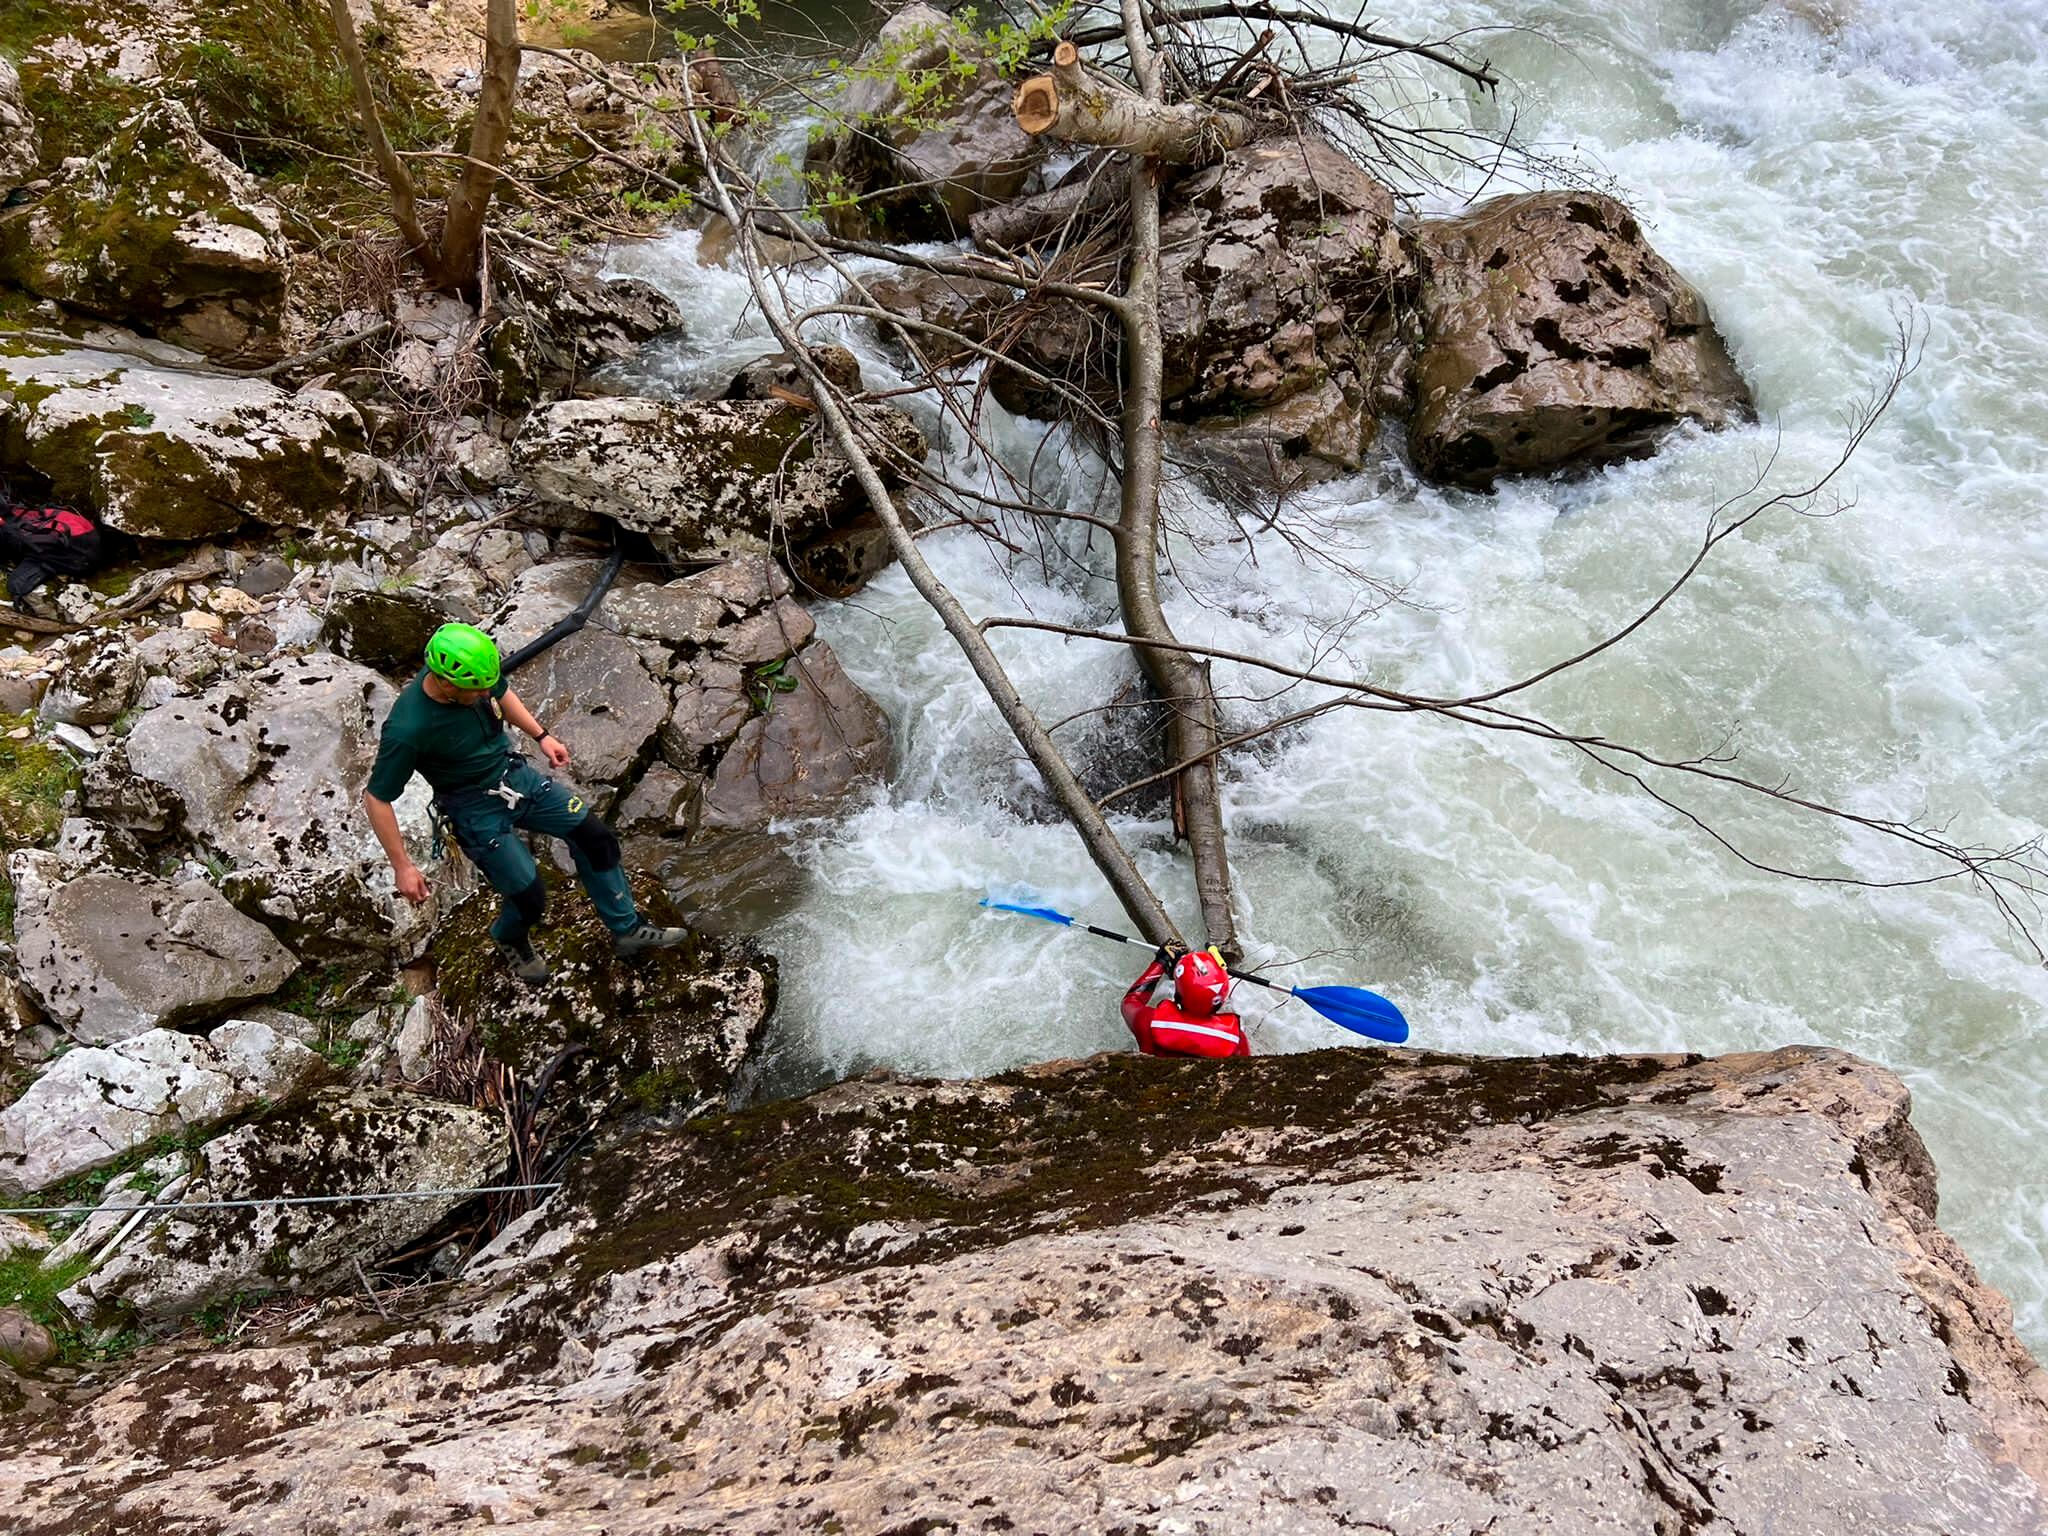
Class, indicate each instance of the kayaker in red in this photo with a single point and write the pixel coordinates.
(1190, 1022)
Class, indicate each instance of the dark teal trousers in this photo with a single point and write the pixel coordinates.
(488, 828)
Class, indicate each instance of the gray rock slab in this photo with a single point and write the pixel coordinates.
(109, 956)
(813, 747)
(593, 691)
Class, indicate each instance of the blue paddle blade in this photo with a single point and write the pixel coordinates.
(1360, 1011)
(1045, 912)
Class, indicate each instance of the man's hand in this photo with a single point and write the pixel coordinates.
(557, 754)
(412, 885)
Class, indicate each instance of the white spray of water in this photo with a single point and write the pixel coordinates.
(1810, 179)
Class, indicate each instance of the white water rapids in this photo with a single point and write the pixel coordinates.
(1811, 168)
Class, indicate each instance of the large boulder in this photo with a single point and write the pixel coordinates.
(158, 230)
(337, 1142)
(805, 751)
(20, 151)
(1338, 1291)
(266, 770)
(593, 691)
(1552, 335)
(706, 479)
(97, 1103)
(563, 323)
(110, 955)
(918, 169)
(166, 453)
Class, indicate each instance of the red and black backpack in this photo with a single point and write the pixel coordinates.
(41, 542)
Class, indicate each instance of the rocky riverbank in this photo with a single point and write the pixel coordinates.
(1336, 1291)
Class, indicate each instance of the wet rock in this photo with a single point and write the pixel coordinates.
(340, 1141)
(1321, 1293)
(813, 747)
(94, 1104)
(764, 376)
(20, 151)
(161, 231)
(167, 454)
(660, 805)
(921, 170)
(705, 479)
(1552, 335)
(594, 693)
(838, 563)
(768, 636)
(267, 770)
(711, 706)
(670, 1032)
(108, 956)
(384, 630)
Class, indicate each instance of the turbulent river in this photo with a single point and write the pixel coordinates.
(1817, 170)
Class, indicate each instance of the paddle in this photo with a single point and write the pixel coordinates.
(1354, 1008)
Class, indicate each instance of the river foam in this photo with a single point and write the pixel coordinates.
(1816, 178)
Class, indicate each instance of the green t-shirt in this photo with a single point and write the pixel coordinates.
(457, 746)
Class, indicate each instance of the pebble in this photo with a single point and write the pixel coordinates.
(19, 733)
(195, 618)
(233, 602)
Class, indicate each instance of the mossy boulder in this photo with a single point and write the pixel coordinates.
(165, 453)
(384, 630)
(668, 1032)
(160, 231)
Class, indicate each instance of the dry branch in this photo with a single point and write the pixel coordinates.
(1070, 104)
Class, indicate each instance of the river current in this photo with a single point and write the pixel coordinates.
(1817, 170)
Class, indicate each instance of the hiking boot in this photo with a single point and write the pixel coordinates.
(525, 960)
(639, 940)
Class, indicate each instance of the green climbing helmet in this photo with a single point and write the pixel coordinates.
(464, 655)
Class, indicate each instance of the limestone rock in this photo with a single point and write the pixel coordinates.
(593, 692)
(158, 230)
(761, 378)
(20, 152)
(1553, 336)
(100, 677)
(921, 172)
(816, 745)
(711, 706)
(25, 1344)
(268, 770)
(167, 454)
(340, 1141)
(94, 1104)
(564, 324)
(109, 956)
(704, 479)
(1317, 1293)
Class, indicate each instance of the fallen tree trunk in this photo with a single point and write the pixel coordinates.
(1071, 104)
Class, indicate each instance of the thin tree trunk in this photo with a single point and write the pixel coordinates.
(462, 233)
(1182, 681)
(405, 208)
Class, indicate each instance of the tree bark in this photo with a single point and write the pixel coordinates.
(1181, 680)
(1027, 220)
(462, 233)
(1068, 103)
(405, 210)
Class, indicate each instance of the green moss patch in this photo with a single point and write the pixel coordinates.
(34, 779)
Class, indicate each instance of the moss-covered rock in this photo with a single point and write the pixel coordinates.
(34, 779)
(670, 1031)
(164, 453)
(20, 144)
(158, 230)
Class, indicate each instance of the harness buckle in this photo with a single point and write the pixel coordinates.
(506, 793)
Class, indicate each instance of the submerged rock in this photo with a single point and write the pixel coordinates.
(1318, 1293)
(164, 453)
(1553, 335)
(161, 231)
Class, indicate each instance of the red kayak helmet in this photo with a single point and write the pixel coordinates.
(1200, 983)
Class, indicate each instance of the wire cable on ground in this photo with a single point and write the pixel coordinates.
(239, 1205)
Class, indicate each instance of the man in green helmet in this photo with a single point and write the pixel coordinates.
(449, 725)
